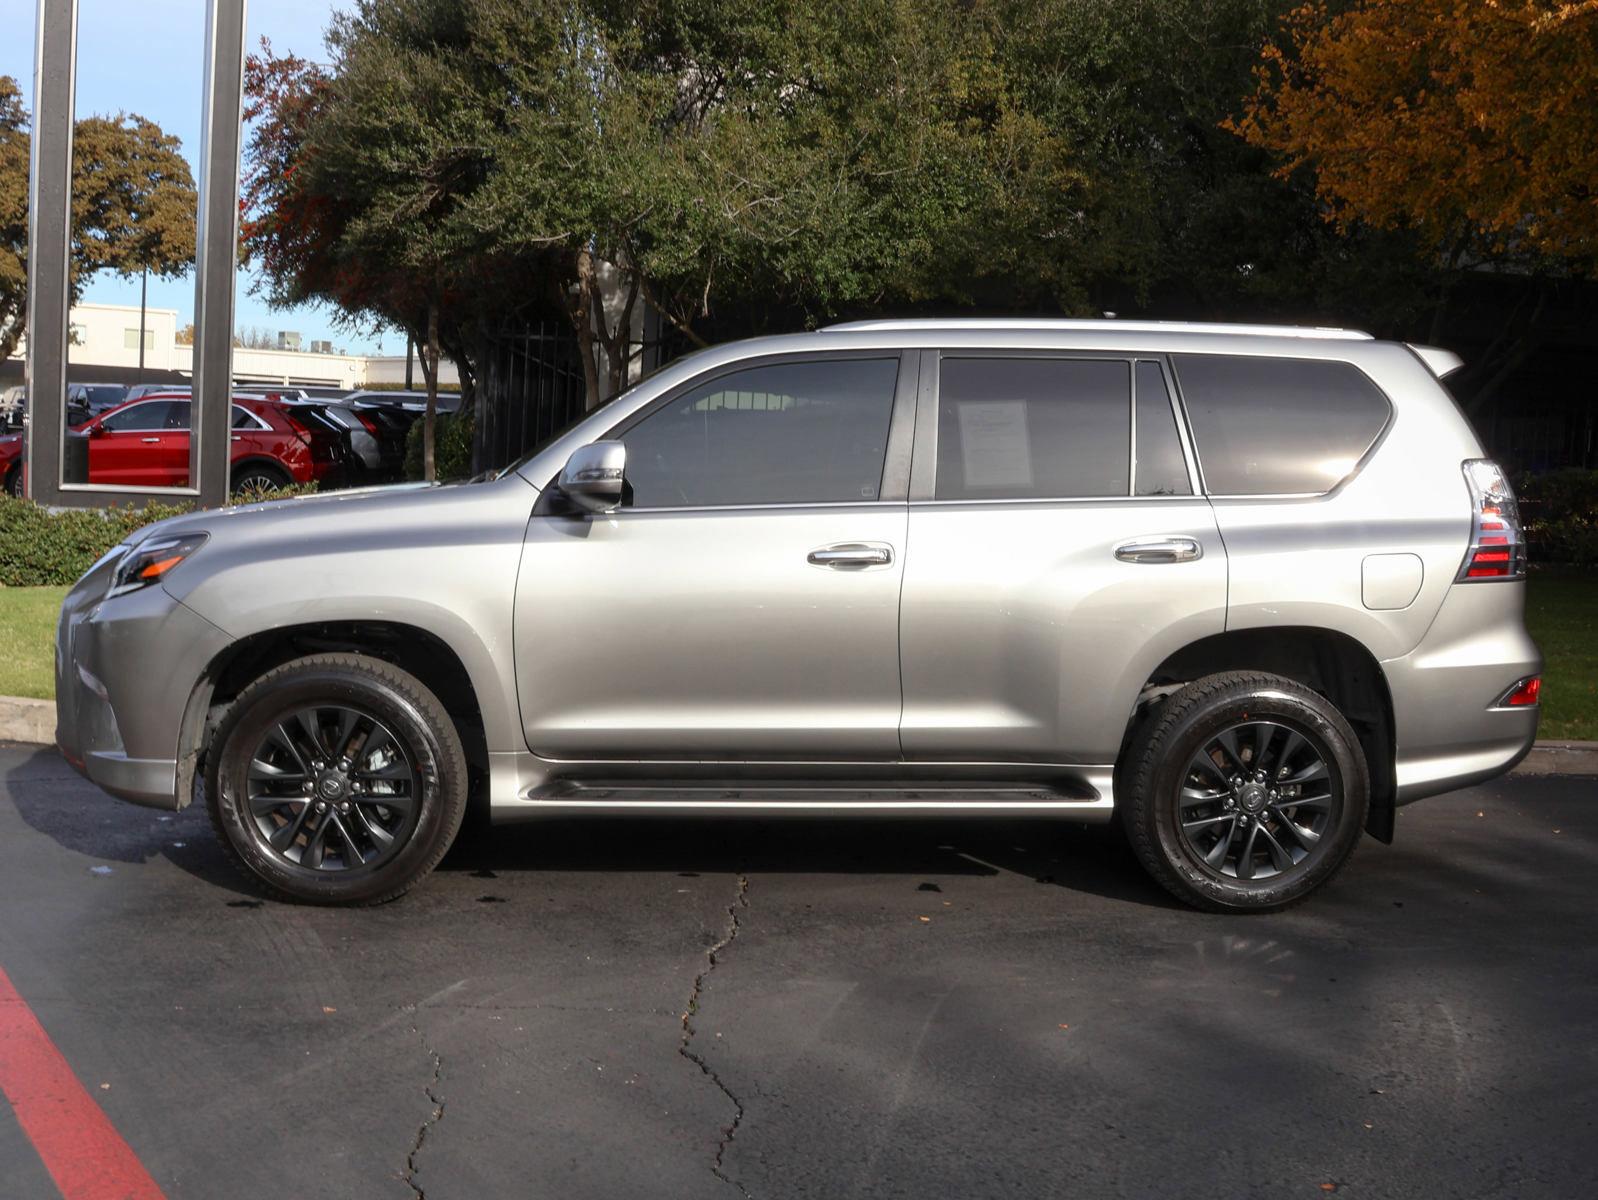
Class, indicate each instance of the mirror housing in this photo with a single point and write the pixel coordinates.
(594, 476)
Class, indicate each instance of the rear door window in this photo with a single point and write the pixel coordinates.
(1018, 428)
(1278, 426)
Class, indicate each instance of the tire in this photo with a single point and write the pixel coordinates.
(404, 776)
(258, 477)
(14, 481)
(1265, 802)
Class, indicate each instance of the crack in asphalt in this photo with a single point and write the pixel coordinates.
(729, 934)
(430, 1088)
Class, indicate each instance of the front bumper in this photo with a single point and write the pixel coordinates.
(125, 669)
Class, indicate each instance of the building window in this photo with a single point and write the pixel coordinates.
(130, 339)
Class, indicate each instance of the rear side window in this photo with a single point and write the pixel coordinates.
(790, 433)
(1161, 467)
(1033, 428)
(1267, 426)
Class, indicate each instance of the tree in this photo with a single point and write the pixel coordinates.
(1469, 128)
(133, 204)
(1472, 123)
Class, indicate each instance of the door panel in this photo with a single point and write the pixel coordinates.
(1025, 638)
(711, 634)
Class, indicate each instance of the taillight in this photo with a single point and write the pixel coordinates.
(1497, 545)
(1523, 694)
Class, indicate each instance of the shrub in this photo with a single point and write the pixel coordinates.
(1560, 509)
(40, 546)
(452, 446)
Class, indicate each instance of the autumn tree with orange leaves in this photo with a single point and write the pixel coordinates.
(1468, 125)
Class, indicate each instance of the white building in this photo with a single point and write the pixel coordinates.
(107, 335)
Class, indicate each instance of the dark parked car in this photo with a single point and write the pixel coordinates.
(85, 401)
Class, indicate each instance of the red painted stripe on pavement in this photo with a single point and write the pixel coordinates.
(79, 1146)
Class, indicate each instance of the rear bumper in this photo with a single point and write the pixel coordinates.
(125, 669)
(1447, 731)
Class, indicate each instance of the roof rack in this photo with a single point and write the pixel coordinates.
(1099, 324)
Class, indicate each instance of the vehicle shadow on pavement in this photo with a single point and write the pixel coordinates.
(82, 819)
(1069, 855)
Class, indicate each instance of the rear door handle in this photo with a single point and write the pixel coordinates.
(1160, 550)
(154, 439)
(852, 556)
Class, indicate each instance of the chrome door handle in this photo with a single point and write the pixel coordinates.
(1160, 550)
(847, 556)
(154, 439)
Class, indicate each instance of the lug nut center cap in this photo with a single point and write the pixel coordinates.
(1252, 798)
(331, 787)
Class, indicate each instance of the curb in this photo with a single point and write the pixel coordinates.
(32, 722)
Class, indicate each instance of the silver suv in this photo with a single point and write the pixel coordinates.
(1245, 591)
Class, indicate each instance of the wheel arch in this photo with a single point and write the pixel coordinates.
(1337, 666)
(275, 466)
(409, 647)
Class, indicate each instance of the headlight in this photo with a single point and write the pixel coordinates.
(149, 562)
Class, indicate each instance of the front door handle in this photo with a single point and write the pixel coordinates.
(1160, 550)
(154, 439)
(852, 556)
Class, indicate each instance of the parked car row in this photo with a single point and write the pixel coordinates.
(139, 435)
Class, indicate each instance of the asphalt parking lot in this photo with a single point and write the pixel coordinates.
(874, 1010)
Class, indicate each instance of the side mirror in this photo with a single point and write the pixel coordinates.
(594, 476)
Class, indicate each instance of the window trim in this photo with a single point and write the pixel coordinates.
(896, 458)
(924, 470)
(259, 426)
(1359, 463)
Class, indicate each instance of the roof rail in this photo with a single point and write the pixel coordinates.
(1109, 324)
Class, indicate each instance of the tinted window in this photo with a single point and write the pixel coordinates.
(244, 419)
(152, 414)
(1161, 468)
(1268, 425)
(808, 432)
(1014, 428)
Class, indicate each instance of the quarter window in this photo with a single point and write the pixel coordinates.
(790, 433)
(1033, 428)
(1269, 426)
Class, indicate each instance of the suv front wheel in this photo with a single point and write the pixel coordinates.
(1244, 792)
(337, 779)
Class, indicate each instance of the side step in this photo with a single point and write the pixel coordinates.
(874, 798)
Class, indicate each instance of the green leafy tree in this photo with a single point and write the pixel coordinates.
(133, 205)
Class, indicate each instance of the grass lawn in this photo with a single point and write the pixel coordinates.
(1561, 610)
(1562, 614)
(27, 640)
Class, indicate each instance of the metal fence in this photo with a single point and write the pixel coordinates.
(530, 386)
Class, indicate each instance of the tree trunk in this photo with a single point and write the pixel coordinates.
(430, 370)
(583, 319)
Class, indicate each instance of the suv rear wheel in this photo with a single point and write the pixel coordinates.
(337, 779)
(1244, 792)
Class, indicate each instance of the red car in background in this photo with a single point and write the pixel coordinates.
(145, 443)
(11, 462)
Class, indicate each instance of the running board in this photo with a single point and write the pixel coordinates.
(1074, 801)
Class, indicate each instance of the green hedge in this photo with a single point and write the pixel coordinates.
(1560, 509)
(40, 547)
(452, 447)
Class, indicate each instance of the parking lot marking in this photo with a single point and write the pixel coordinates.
(77, 1143)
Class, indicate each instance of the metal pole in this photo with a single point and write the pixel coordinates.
(55, 56)
(216, 246)
(144, 290)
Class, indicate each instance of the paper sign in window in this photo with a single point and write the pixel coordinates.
(995, 443)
